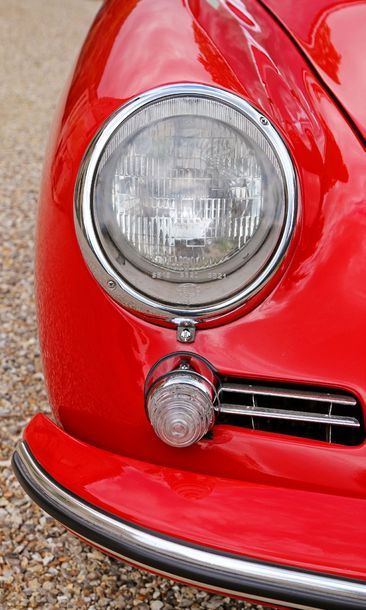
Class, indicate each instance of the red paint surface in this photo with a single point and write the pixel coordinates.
(288, 526)
(309, 329)
(332, 34)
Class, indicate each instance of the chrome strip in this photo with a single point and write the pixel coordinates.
(100, 266)
(314, 418)
(343, 592)
(239, 388)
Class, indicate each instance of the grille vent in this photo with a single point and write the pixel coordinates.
(322, 415)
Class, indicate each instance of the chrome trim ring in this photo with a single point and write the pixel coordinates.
(228, 574)
(120, 290)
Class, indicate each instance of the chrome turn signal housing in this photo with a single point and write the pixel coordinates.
(182, 403)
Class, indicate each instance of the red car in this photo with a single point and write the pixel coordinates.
(201, 293)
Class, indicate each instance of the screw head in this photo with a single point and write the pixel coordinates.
(263, 120)
(185, 334)
(111, 284)
(186, 330)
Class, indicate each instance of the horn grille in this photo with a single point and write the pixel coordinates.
(329, 416)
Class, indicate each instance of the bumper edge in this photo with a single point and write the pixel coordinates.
(200, 566)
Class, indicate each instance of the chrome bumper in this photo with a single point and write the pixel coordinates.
(228, 574)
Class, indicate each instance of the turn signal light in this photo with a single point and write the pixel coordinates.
(181, 410)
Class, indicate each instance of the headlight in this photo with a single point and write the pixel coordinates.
(185, 202)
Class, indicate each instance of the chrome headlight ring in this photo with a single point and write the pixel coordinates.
(132, 294)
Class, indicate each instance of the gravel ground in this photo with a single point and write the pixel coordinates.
(42, 566)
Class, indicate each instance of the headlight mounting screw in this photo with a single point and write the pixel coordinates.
(186, 330)
(185, 335)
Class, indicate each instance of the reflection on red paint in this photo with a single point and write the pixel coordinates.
(298, 527)
(324, 53)
(332, 34)
(308, 327)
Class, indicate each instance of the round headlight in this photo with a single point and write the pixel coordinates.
(185, 202)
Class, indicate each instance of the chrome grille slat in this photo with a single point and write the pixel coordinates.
(321, 415)
(338, 399)
(315, 418)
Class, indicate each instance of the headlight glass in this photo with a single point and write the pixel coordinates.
(189, 201)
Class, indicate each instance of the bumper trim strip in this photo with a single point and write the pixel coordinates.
(230, 574)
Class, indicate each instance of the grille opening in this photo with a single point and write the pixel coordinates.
(314, 413)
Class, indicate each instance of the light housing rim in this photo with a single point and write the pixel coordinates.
(100, 266)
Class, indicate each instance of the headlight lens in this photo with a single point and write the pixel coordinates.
(190, 201)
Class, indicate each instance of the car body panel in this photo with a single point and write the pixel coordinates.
(332, 35)
(265, 522)
(92, 348)
(297, 497)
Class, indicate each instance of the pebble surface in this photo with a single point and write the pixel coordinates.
(41, 565)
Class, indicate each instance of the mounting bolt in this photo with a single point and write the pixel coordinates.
(184, 366)
(186, 334)
(263, 120)
(111, 284)
(186, 329)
